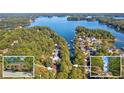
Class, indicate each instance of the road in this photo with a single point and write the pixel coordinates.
(17, 74)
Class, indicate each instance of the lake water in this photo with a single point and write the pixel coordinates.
(66, 28)
(105, 60)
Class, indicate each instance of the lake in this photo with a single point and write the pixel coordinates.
(66, 28)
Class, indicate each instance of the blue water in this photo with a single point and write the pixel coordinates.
(66, 28)
(105, 60)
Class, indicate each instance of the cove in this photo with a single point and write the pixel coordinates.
(66, 28)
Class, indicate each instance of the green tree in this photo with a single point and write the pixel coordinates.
(115, 65)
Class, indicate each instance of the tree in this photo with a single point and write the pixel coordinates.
(29, 63)
(97, 61)
(62, 75)
(96, 65)
(77, 73)
(115, 66)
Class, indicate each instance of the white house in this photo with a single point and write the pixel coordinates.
(49, 68)
(75, 65)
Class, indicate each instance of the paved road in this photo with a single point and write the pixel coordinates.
(17, 74)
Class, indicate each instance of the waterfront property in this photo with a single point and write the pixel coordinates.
(66, 28)
(55, 56)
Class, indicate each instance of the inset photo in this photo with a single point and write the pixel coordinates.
(18, 66)
(106, 66)
(123, 67)
(0, 66)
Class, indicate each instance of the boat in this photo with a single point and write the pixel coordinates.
(122, 48)
(72, 40)
(68, 45)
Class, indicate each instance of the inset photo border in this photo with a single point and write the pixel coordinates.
(0, 67)
(19, 69)
(103, 67)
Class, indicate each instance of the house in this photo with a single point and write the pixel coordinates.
(55, 55)
(14, 42)
(93, 39)
(19, 26)
(122, 55)
(49, 68)
(110, 51)
(17, 66)
(122, 48)
(56, 45)
(75, 65)
(88, 39)
(85, 60)
(55, 59)
(80, 39)
(54, 67)
(85, 53)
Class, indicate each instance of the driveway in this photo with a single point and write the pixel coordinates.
(17, 74)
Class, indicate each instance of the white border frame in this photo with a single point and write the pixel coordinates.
(19, 76)
(1, 66)
(107, 76)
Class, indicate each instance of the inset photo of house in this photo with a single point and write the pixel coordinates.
(106, 66)
(18, 66)
(0, 66)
